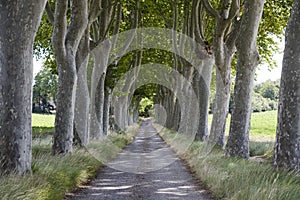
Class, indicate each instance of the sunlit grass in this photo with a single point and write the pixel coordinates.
(53, 176)
(263, 125)
(233, 178)
(42, 123)
(43, 120)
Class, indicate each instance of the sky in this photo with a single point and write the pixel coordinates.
(264, 74)
(37, 65)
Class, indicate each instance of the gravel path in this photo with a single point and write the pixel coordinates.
(145, 169)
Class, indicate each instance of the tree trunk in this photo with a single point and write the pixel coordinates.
(136, 111)
(225, 34)
(63, 134)
(101, 56)
(19, 22)
(176, 115)
(82, 100)
(248, 59)
(218, 125)
(81, 118)
(168, 104)
(106, 108)
(287, 146)
(66, 39)
(201, 83)
(130, 115)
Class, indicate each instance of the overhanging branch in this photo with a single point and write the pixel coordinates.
(49, 13)
(210, 9)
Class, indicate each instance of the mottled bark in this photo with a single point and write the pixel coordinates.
(287, 146)
(101, 51)
(202, 75)
(201, 84)
(19, 22)
(135, 111)
(220, 111)
(106, 108)
(134, 80)
(168, 102)
(82, 100)
(225, 34)
(186, 116)
(81, 118)
(176, 115)
(101, 56)
(248, 59)
(66, 39)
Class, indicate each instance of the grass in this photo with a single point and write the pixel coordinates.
(227, 178)
(264, 149)
(232, 178)
(263, 125)
(53, 176)
(262, 132)
(41, 124)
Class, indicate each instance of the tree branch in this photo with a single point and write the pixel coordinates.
(175, 25)
(232, 37)
(109, 18)
(225, 4)
(49, 13)
(197, 23)
(60, 26)
(210, 9)
(106, 21)
(134, 26)
(117, 24)
(95, 10)
(118, 18)
(78, 24)
(234, 9)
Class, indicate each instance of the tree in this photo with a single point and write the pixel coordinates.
(259, 103)
(45, 84)
(18, 26)
(225, 34)
(273, 23)
(66, 38)
(247, 61)
(227, 16)
(287, 151)
(268, 89)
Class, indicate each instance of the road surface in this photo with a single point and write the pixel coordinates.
(146, 169)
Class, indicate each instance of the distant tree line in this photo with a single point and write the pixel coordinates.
(266, 96)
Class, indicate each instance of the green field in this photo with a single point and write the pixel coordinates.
(263, 125)
(42, 123)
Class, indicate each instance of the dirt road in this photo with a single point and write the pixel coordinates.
(145, 169)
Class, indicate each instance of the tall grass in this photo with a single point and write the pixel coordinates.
(237, 179)
(53, 176)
